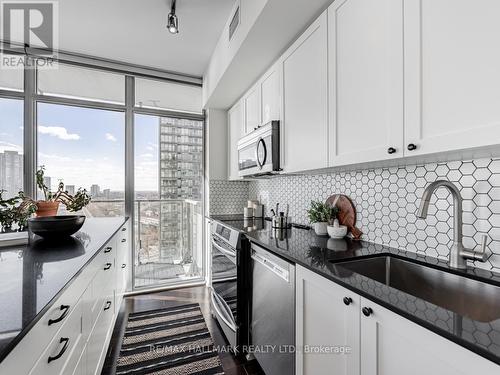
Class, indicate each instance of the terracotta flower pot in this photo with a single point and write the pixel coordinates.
(46, 208)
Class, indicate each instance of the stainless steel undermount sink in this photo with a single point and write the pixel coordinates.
(468, 297)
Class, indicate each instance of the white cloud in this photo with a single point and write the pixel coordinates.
(59, 132)
(7, 146)
(147, 156)
(110, 137)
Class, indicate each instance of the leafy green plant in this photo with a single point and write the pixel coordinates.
(11, 213)
(318, 212)
(72, 202)
(7, 211)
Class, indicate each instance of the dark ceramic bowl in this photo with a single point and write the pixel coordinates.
(55, 227)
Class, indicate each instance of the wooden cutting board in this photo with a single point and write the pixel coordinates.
(347, 214)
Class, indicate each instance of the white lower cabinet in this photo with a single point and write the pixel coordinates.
(72, 337)
(382, 343)
(62, 353)
(325, 322)
(393, 345)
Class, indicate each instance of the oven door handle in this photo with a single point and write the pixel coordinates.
(224, 251)
(219, 313)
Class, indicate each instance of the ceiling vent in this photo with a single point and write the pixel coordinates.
(235, 22)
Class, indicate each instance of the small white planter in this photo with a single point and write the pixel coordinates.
(321, 228)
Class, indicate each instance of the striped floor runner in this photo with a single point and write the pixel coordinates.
(169, 341)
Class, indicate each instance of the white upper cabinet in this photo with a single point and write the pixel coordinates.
(270, 95)
(365, 46)
(452, 75)
(251, 110)
(235, 126)
(327, 315)
(305, 92)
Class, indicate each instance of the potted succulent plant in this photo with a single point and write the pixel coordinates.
(50, 204)
(318, 215)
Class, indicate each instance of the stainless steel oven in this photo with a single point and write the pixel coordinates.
(259, 151)
(229, 284)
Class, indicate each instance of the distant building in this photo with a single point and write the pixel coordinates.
(106, 193)
(95, 190)
(180, 178)
(70, 189)
(48, 182)
(11, 172)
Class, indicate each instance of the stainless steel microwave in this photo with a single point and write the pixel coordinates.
(259, 151)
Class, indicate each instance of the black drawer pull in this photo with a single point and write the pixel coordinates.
(65, 310)
(391, 150)
(124, 240)
(124, 265)
(124, 229)
(412, 147)
(107, 266)
(108, 305)
(64, 340)
(347, 301)
(108, 249)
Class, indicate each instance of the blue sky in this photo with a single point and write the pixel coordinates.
(84, 146)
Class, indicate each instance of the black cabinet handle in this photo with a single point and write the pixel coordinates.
(412, 147)
(124, 240)
(108, 249)
(347, 301)
(124, 265)
(107, 266)
(64, 340)
(367, 311)
(108, 305)
(124, 229)
(65, 310)
(391, 150)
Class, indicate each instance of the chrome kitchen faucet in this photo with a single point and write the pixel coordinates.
(458, 254)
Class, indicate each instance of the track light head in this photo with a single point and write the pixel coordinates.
(172, 20)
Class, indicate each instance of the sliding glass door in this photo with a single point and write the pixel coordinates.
(168, 200)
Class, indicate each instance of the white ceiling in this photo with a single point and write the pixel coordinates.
(134, 31)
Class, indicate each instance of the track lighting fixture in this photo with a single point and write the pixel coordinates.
(173, 22)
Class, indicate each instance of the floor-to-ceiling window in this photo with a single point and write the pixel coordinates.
(84, 123)
(168, 184)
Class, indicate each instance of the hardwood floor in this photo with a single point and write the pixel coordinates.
(144, 302)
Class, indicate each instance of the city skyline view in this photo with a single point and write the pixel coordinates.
(83, 147)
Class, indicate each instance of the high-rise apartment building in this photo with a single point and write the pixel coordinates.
(11, 173)
(95, 190)
(181, 179)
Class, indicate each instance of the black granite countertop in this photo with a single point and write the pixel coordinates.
(324, 255)
(33, 276)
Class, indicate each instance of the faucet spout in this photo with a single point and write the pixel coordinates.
(456, 259)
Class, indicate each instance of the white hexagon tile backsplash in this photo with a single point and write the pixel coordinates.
(387, 200)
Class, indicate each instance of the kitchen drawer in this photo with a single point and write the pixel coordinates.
(63, 352)
(101, 290)
(96, 347)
